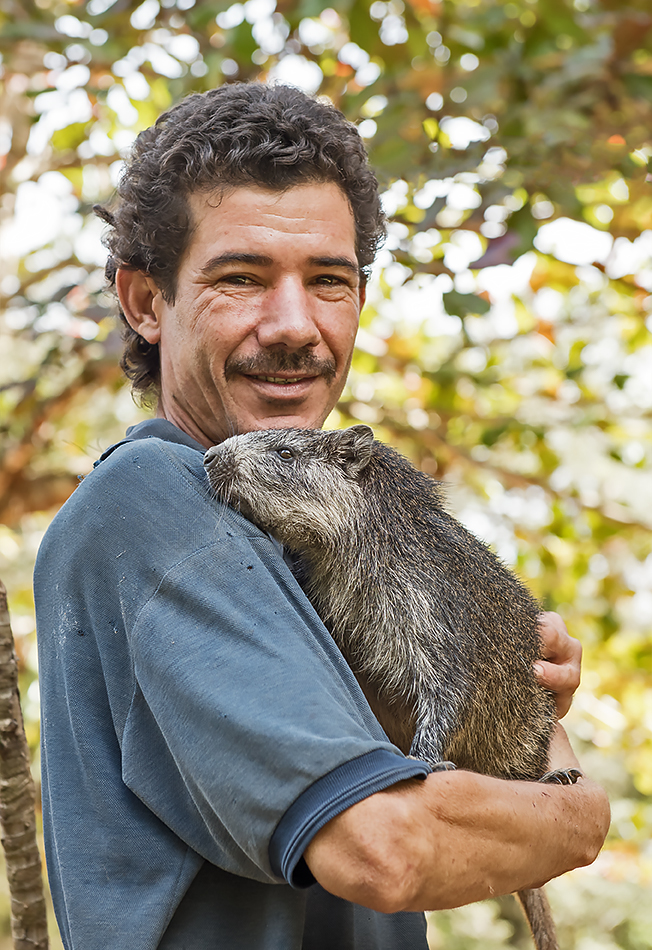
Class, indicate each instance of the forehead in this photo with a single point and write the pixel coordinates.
(306, 217)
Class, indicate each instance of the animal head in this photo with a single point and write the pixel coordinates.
(298, 484)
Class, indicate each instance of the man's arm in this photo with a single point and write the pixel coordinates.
(458, 837)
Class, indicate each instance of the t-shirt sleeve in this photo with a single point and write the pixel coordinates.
(330, 795)
(247, 731)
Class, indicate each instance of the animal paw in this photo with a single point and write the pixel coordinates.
(562, 777)
(443, 766)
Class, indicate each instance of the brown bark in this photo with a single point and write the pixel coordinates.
(17, 804)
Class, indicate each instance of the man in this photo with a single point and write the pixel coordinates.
(204, 743)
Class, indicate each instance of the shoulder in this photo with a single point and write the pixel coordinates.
(146, 461)
(141, 478)
(146, 492)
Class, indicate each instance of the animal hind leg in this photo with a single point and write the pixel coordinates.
(436, 723)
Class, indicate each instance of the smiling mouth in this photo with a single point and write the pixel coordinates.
(282, 380)
(282, 369)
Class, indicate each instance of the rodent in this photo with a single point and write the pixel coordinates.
(440, 634)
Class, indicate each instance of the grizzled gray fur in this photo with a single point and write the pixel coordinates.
(441, 635)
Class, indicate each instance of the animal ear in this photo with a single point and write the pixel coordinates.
(355, 445)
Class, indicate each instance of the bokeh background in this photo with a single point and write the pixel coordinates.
(506, 345)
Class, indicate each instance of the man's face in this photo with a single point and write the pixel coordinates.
(263, 325)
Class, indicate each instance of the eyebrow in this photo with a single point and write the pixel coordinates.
(262, 260)
(344, 262)
(236, 257)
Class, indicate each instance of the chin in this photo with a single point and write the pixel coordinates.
(286, 422)
(283, 418)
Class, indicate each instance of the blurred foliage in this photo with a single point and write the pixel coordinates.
(506, 346)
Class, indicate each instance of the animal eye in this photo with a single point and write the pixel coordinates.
(286, 454)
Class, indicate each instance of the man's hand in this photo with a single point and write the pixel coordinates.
(559, 668)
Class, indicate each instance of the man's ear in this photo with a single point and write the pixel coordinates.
(137, 293)
(362, 292)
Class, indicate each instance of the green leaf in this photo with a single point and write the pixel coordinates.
(460, 305)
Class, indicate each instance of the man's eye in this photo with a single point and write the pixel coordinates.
(286, 454)
(239, 280)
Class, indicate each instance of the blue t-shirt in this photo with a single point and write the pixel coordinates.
(199, 724)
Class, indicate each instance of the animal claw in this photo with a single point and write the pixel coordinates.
(443, 767)
(562, 777)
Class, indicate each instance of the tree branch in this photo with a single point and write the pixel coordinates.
(17, 804)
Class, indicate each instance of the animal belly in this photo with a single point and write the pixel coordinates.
(502, 738)
(396, 716)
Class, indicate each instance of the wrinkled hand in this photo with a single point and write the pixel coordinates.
(559, 668)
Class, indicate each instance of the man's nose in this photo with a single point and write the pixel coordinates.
(287, 316)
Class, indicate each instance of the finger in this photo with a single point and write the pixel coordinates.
(559, 679)
(553, 632)
(556, 643)
(562, 681)
(559, 667)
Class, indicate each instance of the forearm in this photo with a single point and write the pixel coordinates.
(502, 839)
(455, 838)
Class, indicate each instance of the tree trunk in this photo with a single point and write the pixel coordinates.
(17, 798)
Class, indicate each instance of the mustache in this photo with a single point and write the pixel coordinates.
(272, 364)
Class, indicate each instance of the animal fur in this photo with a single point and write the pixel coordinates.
(441, 636)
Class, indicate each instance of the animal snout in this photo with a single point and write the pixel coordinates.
(211, 456)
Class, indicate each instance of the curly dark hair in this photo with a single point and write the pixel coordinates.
(239, 134)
